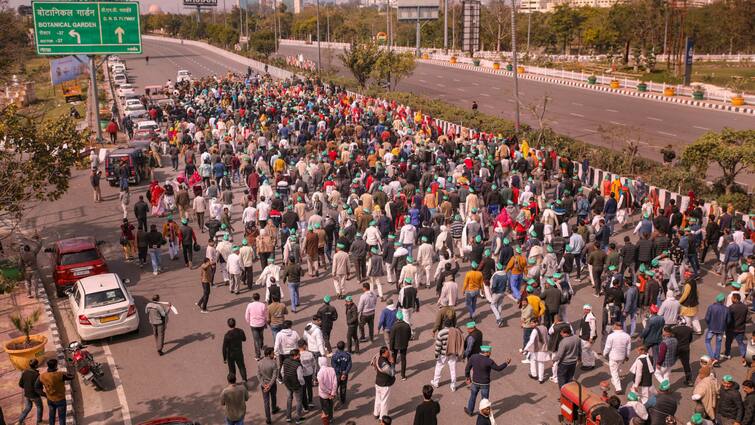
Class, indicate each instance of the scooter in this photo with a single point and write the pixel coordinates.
(83, 361)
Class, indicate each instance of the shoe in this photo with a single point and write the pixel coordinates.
(467, 412)
(526, 361)
(435, 385)
(403, 379)
(541, 382)
(204, 311)
(553, 379)
(717, 364)
(276, 410)
(619, 392)
(531, 377)
(362, 339)
(587, 367)
(724, 356)
(160, 352)
(154, 273)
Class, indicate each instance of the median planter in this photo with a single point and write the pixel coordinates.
(520, 70)
(698, 95)
(642, 87)
(453, 59)
(592, 79)
(496, 66)
(425, 56)
(669, 91)
(476, 62)
(20, 352)
(615, 84)
(509, 67)
(738, 100)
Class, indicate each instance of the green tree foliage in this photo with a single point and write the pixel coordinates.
(391, 67)
(360, 60)
(262, 42)
(733, 151)
(36, 160)
(14, 41)
(565, 22)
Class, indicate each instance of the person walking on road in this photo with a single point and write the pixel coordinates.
(235, 270)
(206, 279)
(29, 265)
(385, 377)
(328, 314)
(293, 378)
(291, 276)
(448, 350)
(427, 412)
(233, 352)
(401, 334)
(188, 241)
(141, 210)
(256, 317)
(233, 398)
(157, 313)
(617, 349)
(31, 396)
(94, 179)
(341, 361)
(366, 309)
(327, 384)
(154, 242)
(267, 374)
(477, 374)
(568, 354)
(51, 384)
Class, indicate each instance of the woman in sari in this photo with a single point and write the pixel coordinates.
(155, 199)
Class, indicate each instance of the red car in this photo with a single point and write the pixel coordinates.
(74, 259)
(175, 420)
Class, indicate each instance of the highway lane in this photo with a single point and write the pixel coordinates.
(571, 111)
(189, 378)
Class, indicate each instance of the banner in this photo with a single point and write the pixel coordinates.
(68, 68)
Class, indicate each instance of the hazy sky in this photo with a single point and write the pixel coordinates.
(166, 5)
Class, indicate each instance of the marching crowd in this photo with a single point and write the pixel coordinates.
(289, 181)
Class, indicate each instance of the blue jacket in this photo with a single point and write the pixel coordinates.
(732, 252)
(387, 319)
(631, 297)
(717, 316)
(653, 332)
(610, 207)
(341, 362)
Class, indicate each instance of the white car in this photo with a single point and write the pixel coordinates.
(183, 75)
(102, 307)
(133, 102)
(120, 79)
(126, 90)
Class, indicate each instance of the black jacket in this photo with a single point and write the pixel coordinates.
(748, 418)
(352, 315)
(401, 333)
(27, 380)
(665, 405)
(232, 344)
(426, 413)
(552, 299)
(683, 335)
(329, 315)
(730, 403)
(141, 209)
(644, 250)
(738, 313)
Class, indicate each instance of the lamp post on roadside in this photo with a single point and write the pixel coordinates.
(514, 63)
(318, 36)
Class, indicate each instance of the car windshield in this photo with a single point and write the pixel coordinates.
(103, 298)
(78, 257)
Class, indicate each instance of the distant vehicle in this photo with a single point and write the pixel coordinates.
(73, 259)
(183, 75)
(175, 420)
(126, 90)
(120, 79)
(102, 307)
(135, 111)
(146, 125)
(72, 91)
(118, 67)
(134, 157)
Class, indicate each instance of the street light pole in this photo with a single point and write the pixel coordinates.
(418, 33)
(318, 37)
(514, 63)
(445, 26)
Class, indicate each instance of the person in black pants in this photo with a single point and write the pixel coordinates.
(401, 333)
(206, 280)
(141, 210)
(683, 335)
(233, 353)
(352, 322)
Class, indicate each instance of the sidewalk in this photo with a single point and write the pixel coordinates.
(11, 396)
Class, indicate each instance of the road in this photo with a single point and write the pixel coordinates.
(571, 111)
(188, 379)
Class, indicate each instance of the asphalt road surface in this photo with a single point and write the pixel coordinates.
(188, 379)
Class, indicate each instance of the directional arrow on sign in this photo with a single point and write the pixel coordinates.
(119, 32)
(73, 33)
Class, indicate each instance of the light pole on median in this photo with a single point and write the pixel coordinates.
(514, 63)
(318, 36)
(445, 26)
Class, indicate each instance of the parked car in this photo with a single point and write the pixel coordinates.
(183, 75)
(126, 90)
(73, 259)
(135, 159)
(102, 307)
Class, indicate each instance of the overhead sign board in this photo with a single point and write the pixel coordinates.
(87, 28)
(208, 3)
(68, 68)
(413, 10)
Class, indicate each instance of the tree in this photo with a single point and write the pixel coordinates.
(360, 60)
(13, 41)
(35, 161)
(538, 111)
(732, 150)
(262, 42)
(392, 67)
(565, 22)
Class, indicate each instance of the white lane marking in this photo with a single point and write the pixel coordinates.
(576, 115)
(701, 128)
(616, 123)
(497, 88)
(459, 89)
(422, 81)
(577, 104)
(667, 134)
(440, 85)
(589, 130)
(456, 80)
(511, 100)
(654, 119)
(125, 412)
(484, 94)
(612, 110)
(475, 84)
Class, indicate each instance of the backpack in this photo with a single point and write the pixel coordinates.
(565, 293)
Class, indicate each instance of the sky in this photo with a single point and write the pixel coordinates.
(166, 5)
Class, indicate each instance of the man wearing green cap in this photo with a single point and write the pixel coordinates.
(729, 408)
(247, 261)
(633, 407)
(407, 235)
(400, 335)
(235, 269)
(409, 271)
(425, 260)
(477, 374)
(358, 254)
(352, 323)
(408, 300)
(717, 317)
(473, 282)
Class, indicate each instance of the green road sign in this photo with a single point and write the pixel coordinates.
(64, 28)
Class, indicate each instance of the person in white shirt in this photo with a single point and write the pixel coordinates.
(199, 205)
(235, 269)
(633, 401)
(224, 249)
(249, 214)
(617, 348)
(408, 235)
(643, 370)
(269, 275)
(263, 210)
(425, 259)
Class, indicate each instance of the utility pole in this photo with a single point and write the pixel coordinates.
(453, 29)
(93, 79)
(318, 38)
(514, 63)
(529, 26)
(327, 22)
(388, 23)
(275, 25)
(445, 26)
(418, 34)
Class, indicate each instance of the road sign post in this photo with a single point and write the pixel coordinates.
(96, 28)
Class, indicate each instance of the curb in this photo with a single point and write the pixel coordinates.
(584, 85)
(71, 413)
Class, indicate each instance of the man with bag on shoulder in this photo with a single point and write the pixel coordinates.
(157, 313)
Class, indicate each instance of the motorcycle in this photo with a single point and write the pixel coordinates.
(82, 360)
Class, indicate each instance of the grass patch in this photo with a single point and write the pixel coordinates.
(50, 102)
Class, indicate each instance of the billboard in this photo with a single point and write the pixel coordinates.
(195, 3)
(413, 10)
(68, 68)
